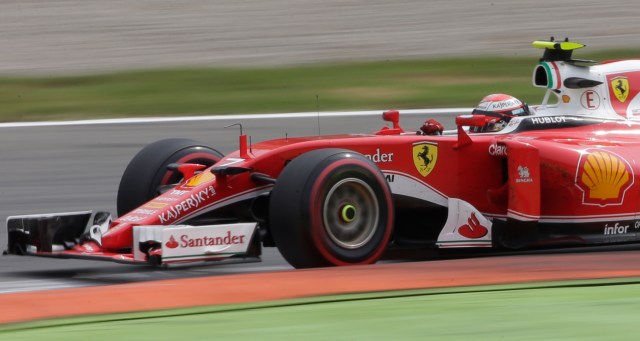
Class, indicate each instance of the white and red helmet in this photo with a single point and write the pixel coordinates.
(501, 107)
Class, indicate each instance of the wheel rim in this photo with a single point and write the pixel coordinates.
(351, 213)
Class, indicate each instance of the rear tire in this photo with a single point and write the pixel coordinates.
(331, 207)
(147, 172)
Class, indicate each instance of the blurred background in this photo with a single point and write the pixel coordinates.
(82, 59)
(46, 40)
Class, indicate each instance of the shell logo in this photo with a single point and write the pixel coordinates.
(603, 177)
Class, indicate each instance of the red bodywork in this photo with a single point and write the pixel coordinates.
(581, 176)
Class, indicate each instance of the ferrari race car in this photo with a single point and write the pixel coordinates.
(564, 175)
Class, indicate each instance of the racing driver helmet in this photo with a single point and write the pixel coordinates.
(499, 109)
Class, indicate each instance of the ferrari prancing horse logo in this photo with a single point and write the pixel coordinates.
(425, 155)
(620, 87)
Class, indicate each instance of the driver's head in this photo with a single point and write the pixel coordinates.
(499, 109)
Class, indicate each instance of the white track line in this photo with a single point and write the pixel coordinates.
(230, 117)
(37, 285)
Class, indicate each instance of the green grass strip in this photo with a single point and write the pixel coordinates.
(400, 84)
(578, 310)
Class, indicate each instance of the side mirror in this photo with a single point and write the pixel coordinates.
(471, 120)
(392, 116)
(468, 121)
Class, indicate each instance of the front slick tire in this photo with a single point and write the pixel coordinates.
(147, 175)
(331, 207)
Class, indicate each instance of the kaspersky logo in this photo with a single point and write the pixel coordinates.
(425, 156)
(603, 177)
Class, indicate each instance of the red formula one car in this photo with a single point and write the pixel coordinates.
(562, 175)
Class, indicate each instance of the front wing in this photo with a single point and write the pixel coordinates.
(68, 235)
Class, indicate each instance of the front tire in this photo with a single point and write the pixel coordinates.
(331, 207)
(147, 175)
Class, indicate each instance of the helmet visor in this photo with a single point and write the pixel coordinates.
(522, 111)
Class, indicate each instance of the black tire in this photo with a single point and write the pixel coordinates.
(147, 172)
(331, 207)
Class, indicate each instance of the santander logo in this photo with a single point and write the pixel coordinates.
(473, 229)
(187, 241)
(172, 243)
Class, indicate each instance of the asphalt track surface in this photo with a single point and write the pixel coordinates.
(70, 168)
(46, 37)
